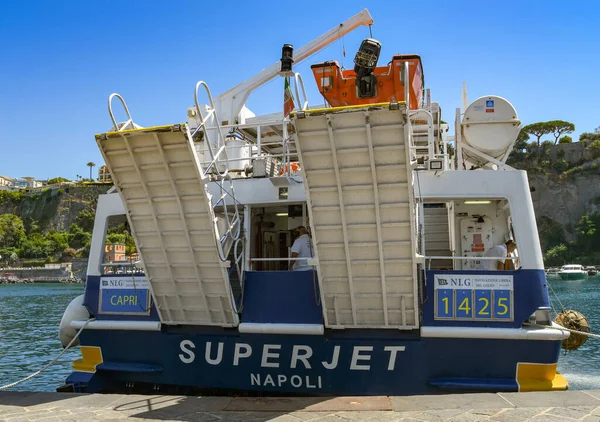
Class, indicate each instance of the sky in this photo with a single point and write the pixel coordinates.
(60, 60)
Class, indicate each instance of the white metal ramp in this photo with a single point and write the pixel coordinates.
(163, 189)
(361, 203)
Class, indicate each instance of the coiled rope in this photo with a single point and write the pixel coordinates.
(4, 387)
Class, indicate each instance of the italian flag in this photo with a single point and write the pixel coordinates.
(288, 98)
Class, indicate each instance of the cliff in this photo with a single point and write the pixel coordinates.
(52, 209)
(560, 203)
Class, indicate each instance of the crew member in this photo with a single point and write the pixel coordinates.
(302, 248)
(502, 252)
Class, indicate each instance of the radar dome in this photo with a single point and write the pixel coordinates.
(490, 125)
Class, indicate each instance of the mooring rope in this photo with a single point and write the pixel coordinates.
(4, 387)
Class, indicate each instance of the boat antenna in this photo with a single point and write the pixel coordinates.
(371, 31)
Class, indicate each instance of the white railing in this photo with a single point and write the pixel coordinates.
(129, 121)
(251, 148)
(232, 230)
(462, 258)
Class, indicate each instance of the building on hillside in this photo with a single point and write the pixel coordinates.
(104, 174)
(26, 182)
(114, 252)
(6, 183)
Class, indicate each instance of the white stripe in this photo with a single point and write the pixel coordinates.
(303, 329)
(118, 325)
(495, 333)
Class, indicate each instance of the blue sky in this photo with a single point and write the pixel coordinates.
(61, 60)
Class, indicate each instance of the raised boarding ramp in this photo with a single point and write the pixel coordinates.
(164, 192)
(360, 197)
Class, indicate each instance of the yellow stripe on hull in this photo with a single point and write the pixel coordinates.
(91, 357)
(540, 377)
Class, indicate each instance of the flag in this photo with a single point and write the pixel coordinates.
(288, 98)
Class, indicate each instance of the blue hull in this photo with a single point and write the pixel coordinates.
(184, 359)
(339, 363)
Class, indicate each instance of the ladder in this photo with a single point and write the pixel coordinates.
(181, 239)
(362, 213)
(437, 237)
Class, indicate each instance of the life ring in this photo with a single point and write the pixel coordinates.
(286, 169)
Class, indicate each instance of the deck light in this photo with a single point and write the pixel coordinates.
(435, 165)
(478, 202)
(281, 214)
(287, 57)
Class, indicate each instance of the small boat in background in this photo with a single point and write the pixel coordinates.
(591, 271)
(572, 272)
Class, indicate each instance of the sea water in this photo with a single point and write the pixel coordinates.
(580, 367)
(29, 319)
(30, 314)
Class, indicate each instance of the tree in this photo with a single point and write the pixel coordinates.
(594, 149)
(78, 238)
(586, 233)
(588, 137)
(12, 231)
(559, 127)
(565, 140)
(85, 220)
(557, 255)
(68, 254)
(57, 242)
(91, 165)
(35, 246)
(538, 130)
(57, 180)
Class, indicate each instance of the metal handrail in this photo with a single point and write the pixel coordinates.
(232, 222)
(298, 81)
(112, 116)
(220, 139)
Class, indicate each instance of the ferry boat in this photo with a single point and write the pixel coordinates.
(392, 303)
(572, 272)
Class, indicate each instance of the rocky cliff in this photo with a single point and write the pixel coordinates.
(53, 209)
(565, 200)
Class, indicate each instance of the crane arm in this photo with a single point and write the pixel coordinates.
(230, 103)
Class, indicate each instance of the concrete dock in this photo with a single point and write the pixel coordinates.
(510, 407)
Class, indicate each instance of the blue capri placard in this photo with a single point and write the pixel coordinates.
(124, 296)
(474, 297)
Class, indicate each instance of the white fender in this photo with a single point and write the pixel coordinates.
(75, 311)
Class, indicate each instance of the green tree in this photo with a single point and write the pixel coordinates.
(12, 231)
(57, 242)
(78, 238)
(68, 254)
(587, 137)
(519, 148)
(559, 127)
(565, 140)
(35, 246)
(558, 255)
(594, 149)
(586, 234)
(538, 130)
(57, 180)
(85, 220)
(91, 165)
(560, 165)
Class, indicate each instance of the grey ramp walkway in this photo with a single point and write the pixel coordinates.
(550, 406)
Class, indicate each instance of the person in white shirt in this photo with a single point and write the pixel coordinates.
(502, 252)
(302, 248)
